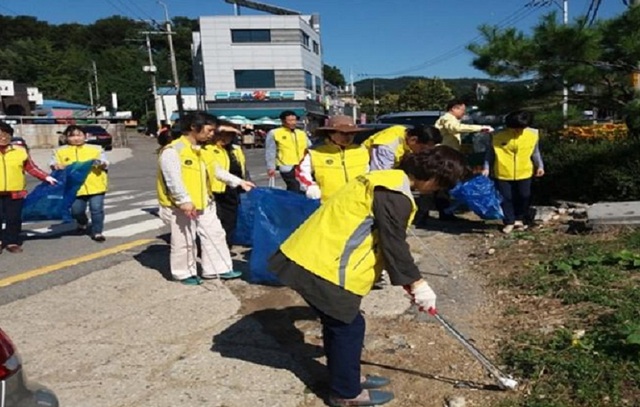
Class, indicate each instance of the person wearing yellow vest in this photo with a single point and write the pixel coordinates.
(328, 166)
(186, 203)
(230, 157)
(333, 259)
(14, 162)
(513, 161)
(93, 189)
(387, 147)
(284, 148)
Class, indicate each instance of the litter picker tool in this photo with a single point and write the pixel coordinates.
(504, 381)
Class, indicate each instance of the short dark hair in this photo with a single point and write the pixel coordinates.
(444, 164)
(519, 119)
(455, 102)
(70, 129)
(425, 135)
(287, 113)
(197, 120)
(6, 127)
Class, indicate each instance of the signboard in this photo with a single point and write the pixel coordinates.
(34, 95)
(255, 95)
(6, 88)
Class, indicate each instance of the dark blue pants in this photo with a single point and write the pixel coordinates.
(516, 199)
(343, 349)
(11, 215)
(291, 181)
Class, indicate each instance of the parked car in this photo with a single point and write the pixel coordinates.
(15, 390)
(97, 135)
(423, 117)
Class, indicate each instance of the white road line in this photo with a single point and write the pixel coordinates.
(118, 193)
(120, 215)
(149, 202)
(135, 228)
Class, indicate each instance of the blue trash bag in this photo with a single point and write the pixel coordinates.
(480, 195)
(277, 214)
(244, 223)
(53, 202)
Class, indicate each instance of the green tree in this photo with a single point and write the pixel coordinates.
(425, 94)
(600, 58)
(333, 75)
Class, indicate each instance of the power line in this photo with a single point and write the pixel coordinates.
(511, 19)
(9, 10)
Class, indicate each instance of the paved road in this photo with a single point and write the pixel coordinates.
(54, 255)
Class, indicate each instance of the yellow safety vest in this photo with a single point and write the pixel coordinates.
(193, 163)
(394, 138)
(333, 166)
(290, 145)
(513, 154)
(96, 182)
(338, 243)
(220, 157)
(12, 177)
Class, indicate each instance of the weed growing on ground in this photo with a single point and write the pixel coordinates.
(594, 358)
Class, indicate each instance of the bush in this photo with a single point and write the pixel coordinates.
(589, 171)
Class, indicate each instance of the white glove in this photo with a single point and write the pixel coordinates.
(424, 296)
(487, 129)
(313, 192)
(51, 180)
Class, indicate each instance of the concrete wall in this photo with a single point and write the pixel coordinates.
(46, 135)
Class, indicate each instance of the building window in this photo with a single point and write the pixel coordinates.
(318, 85)
(308, 80)
(250, 36)
(257, 78)
(305, 39)
(316, 48)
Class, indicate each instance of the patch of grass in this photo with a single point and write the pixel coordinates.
(594, 360)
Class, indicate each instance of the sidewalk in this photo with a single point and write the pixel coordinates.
(125, 336)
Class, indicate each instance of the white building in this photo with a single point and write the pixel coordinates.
(259, 65)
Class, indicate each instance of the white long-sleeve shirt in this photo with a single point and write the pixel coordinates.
(172, 172)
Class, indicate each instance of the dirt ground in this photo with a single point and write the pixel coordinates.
(427, 366)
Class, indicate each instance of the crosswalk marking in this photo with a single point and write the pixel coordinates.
(149, 202)
(135, 228)
(136, 208)
(118, 193)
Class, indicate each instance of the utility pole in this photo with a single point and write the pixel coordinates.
(375, 102)
(174, 66)
(93, 108)
(95, 78)
(565, 89)
(152, 71)
(636, 74)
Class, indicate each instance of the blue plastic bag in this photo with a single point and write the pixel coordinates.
(53, 202)
(244, 223)
(277, 214)
(480, 195)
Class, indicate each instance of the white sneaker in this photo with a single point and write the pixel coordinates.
(519, 225)
(507, 229)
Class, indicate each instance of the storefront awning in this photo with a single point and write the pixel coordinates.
(254, 113)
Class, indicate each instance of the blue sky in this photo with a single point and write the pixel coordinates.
(367, 37)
